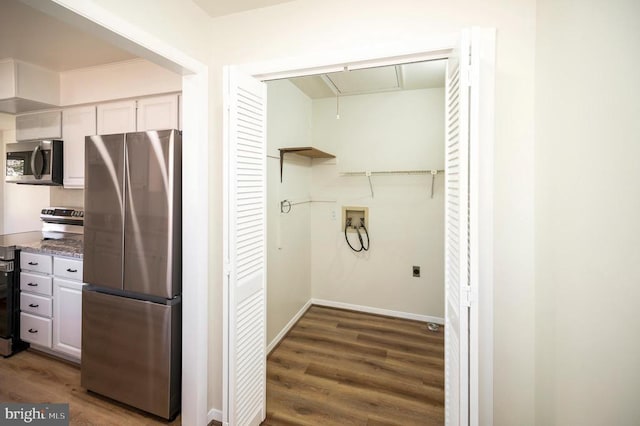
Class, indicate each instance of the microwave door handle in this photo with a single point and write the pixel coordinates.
(36, 151)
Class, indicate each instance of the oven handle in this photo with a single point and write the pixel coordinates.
(36, 151)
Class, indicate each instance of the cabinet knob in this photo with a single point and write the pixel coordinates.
(71, 270)
(33, 263)
(32, 305)
(31, 330)
(33, 284)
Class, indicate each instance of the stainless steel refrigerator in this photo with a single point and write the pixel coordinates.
(131, 309)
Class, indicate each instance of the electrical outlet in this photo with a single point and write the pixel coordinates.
(416, 271)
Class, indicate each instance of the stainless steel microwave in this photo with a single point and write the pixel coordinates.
(34, 163)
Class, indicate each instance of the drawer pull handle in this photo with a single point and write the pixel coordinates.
(71, 270)
(33, 284)
(33, 263)
(32, 305)
(31, 330)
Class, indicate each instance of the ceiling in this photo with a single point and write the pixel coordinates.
(418, 75)
(218, 8)
(32, 36)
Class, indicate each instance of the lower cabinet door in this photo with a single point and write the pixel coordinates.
(67, 317)
(35, 329)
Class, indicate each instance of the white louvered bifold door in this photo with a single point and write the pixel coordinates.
(246, 269)
(457, 259)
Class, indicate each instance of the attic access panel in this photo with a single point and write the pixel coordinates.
(366, 80)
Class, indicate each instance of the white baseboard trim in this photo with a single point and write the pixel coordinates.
(377, 311)
(214, 415)
(288, 327)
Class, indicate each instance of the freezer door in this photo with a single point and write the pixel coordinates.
(152, 254)
(104, 210)
(131, 351)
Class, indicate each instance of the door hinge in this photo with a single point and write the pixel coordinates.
(227, 270)
(467, 296)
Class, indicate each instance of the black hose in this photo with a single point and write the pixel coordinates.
(362, 247)
(346, 226)
(360, 237)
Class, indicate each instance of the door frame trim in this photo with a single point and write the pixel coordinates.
(434, 47)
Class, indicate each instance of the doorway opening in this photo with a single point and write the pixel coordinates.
(468, 228)
(377, 150)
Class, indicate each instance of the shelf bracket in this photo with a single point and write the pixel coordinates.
(307, 151)
(368, 174)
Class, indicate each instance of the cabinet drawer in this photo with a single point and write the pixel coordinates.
(35, 262)
(35, 283)
(35, 329)
(34, 304)
(67, 268)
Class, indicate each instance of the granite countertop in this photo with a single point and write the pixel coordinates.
(69, 247)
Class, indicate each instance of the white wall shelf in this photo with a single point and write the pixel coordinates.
(306, 151)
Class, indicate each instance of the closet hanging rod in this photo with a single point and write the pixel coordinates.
(393, 172)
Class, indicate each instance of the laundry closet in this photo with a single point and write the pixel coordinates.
(344, 145)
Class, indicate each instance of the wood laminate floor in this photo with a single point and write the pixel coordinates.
(338, 367)
(31, 377)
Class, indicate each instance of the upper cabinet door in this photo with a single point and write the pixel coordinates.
(77, 123)
(39, 125)
(117, 117)
(158, 113)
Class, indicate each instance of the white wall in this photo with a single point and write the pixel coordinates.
(21, 204)
(288, 235)
(385, 131)
(587, 210)
(61, 197)
(335, 28)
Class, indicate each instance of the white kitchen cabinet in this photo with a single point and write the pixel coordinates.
(158, 113)
(36, 305)
(35, 289)
(39, 126)
(116, 117)
(36, 262)
(35, 329)
(64, 267)
(77, 123)
(67, 317)
(35, 283)
(51, 303)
